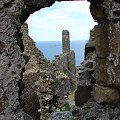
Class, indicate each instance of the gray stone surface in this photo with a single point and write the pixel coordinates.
(28, 98)
(45, 85)
(82, 95)
(106, 95)
(66, 115)
(12, 14)
(94, 111)
(65, 41)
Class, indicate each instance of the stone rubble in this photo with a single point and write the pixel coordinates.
(44, 84)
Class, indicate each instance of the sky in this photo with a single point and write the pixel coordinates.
(47, 24)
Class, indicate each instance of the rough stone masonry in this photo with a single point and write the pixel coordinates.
(13, 13)
(43, 85)
(67, 52)
(65, 41)
(65, 62)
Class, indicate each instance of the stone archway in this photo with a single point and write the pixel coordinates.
(13, 13)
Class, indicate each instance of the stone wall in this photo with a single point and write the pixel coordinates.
(43, 85)
(86, 72)
(99, 71)
(35, 62)
(65, 62)
(90, 45)
(13, 14)
(107, 51)
(67, 58)
(65, 41)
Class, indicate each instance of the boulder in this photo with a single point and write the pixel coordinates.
(84, 78)
(106, 95)
(95, 111)
(65, 115)
(97, 13)
(82, 95)
(102, 77)
(102, 41)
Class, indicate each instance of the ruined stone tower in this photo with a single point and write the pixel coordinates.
(66, 60)
(65, 41)
(70, 54)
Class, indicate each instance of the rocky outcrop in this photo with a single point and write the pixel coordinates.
(99, 71)
(107, 49)
(44, 84)
(90, 46)
(35, 62)
(94, 111)
(65, 62)
(106, 95)
(13, 13)
(61, 115)
(86, 73)
(51, 91)
(58, 82)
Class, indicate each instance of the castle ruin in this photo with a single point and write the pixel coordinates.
(66, 60)
(65, 41)
(13, 13)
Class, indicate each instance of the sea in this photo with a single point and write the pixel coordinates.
(52, 48)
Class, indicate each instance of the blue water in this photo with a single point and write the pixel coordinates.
(52, 48)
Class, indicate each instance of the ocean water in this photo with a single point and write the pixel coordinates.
(52, 48)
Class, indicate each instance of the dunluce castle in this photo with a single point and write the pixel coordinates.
(33, 88)
(48, 84)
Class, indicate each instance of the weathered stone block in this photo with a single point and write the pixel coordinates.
(90, 45)
(62, 86)
(102, 41)
(89, 64)
(89, 50)
(65, 41)
(107, 49)
(71, 62)
(102, 77)
(114, 55)
(65, 115)
(106, 95)
(35, 63)
(97, 13)
(82, 95)
(92, 35)
(114, 75)
(2, 106)
(29, 100)
(114, 44)
(84, 75)
(107, 40)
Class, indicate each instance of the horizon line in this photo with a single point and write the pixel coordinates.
(57, 40)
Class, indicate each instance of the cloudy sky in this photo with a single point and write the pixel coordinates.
(47, 24)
